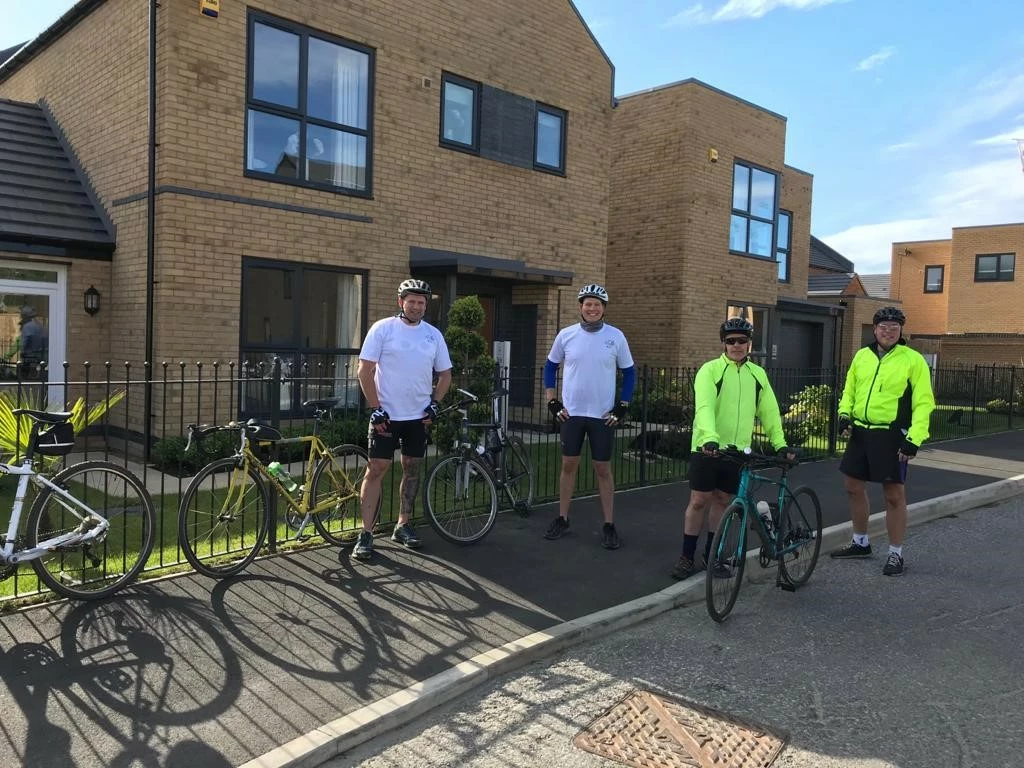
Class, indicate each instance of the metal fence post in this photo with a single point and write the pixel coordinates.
(1013, 392)
(833, 416)
(643, 425)
(974, 399)
(274, 387)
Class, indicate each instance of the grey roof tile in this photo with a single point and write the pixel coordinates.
(826, 257)
(43, 197)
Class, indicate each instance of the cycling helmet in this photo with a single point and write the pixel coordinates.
(420, 287)
(593, 291)
(889, 315)
(735, 325)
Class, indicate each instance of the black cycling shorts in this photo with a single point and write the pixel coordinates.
(411, 435)
(871, 455)
(711, 473)
(601, 437)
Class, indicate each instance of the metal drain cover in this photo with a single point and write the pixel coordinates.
(652, 731)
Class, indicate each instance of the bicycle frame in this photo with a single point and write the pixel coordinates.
(745, 499)
(92, 525)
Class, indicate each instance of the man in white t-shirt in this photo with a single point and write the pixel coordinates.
(592, 352)
(397, 363)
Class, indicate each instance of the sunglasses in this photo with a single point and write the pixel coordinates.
(736, 340)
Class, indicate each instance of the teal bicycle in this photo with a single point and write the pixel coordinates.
(790, 532)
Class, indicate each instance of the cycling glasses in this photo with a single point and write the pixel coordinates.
(735, 340)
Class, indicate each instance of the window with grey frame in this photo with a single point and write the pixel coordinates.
(934, 277)
(994, 267)
(460, 113)
(309, 107)
(783, 244)
(752, 223)
(549, 139)
(311, 317)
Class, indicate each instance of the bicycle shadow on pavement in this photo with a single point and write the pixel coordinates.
(119, 683)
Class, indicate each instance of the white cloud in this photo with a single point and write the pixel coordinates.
(1002, 138)
(875, 59)
(987, 193)
(736, 10)
(902, 146)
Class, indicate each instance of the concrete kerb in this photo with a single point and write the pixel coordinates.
(345, 733)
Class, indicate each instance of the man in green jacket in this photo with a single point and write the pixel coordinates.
(728, 393)
(885, 411)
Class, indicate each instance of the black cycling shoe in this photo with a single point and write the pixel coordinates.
(610, 537)
(558, 528)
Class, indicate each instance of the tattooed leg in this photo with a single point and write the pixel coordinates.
(410, 487)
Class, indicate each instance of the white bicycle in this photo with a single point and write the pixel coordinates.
(90, 528)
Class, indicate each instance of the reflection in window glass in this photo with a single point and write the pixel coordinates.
(333, 307)
(782, 245)
(335, 157)
(275, 66)
(761, 239)
(458, 113)
(273, 144)
(338, 83)
(33, 275)
(738, 233)
(740, 187)
(549, 139)
(269, 308)
(762, 194)
(933, 279)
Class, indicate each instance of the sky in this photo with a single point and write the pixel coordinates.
(904, 111)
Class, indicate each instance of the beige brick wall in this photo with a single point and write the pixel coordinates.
(926, 312)
(987, 307)
(668, 252)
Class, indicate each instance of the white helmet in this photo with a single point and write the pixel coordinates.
(593, 291)
(411, 285)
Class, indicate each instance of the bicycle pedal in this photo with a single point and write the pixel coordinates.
(785, 586)
(522, 509)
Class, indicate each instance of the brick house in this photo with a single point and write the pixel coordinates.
(307, 157)
(961, 295)
(707, 221)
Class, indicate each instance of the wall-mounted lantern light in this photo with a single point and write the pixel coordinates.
(92, 300)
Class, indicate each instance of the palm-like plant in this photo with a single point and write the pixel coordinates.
(15, 430)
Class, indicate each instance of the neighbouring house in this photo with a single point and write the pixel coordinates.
(833, 280)
(961, 295)
(877, 285)
(707, 221)
(306, 158)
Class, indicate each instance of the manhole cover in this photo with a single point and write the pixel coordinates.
(650, 731)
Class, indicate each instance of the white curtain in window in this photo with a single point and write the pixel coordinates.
(351, 77)
(350, 296)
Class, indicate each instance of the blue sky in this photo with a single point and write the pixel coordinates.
(903, 111)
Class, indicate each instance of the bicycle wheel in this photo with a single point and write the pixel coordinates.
(223, 518)
(109, 562)
(799, 536)
(461, 499)
(339, 476)
(726, 561)
(519, 480)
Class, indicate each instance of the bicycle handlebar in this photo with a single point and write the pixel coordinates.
(199, 431)
(747, 456)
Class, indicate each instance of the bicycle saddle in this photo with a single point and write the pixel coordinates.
(46, 417)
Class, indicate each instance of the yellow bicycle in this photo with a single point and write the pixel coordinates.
(225, 512)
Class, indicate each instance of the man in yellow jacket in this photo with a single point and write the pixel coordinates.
(885, 411)
(728, 393)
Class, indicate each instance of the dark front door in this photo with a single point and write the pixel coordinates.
(524, 354)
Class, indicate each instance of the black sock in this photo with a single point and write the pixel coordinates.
(689, 546)
(707, 546)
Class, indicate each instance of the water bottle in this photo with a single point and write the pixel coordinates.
(764, 511)
(282, 476)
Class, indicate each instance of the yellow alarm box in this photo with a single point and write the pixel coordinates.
(209, 8)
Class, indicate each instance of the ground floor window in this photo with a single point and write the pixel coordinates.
(311, 317)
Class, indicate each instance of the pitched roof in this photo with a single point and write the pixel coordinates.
(6, 53)
(826, 257)
(877, 286)
(838, 284)
(45, 198)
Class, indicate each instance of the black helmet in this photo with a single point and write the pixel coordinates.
(411, 285)
(889, 315)
(594, 291)
(735, 325)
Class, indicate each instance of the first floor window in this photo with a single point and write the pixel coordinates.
(752, 224)
(460, 107)
(933, 278)
(994, 267)
(783, 245)
(549, 154)
(313, 319)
